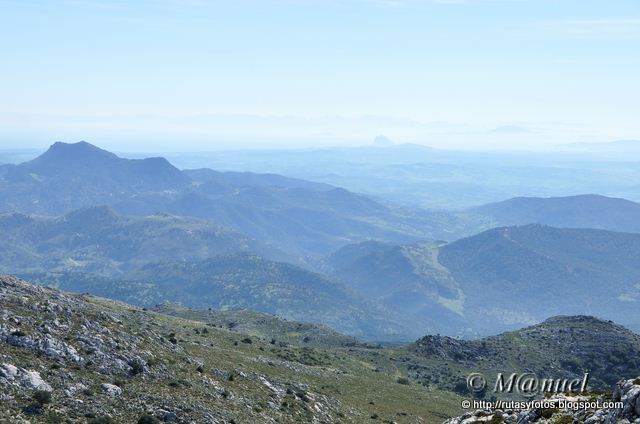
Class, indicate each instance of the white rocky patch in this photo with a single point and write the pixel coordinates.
(28, 379)
(111, 389)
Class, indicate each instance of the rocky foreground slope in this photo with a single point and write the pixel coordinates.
(620, 407)
(81, 359)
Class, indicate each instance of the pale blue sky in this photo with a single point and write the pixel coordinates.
(197, 74)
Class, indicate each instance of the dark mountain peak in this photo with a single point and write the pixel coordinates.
(88, 175)
(83, 154)
(78, 146)
(74, 154)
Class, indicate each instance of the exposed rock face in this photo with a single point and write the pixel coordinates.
(28, 379)
(106, 350)
(596, 410)
(111, 389)
(628, 392)
(44, 344)
(448, 347)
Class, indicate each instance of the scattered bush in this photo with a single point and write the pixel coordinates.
(33, 408)
(137, 367)
(461, 387)
(403, 380)
(42, 397)
(179, 382)
(148, 419)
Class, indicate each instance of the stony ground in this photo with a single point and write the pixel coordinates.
(79, 359)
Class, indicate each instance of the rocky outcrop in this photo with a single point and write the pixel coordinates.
(111, 389)
(587, 409)
(42, 343)
(20, 377)
(450, 348)
(72, 358)
(45, 330)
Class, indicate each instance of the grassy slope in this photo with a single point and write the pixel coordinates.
(268, 327)
(321, 385)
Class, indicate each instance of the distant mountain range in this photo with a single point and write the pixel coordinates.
(496, 280)
(300, 217)
(310, 251)
(420, 176)
(163, 258)
(502, 278)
